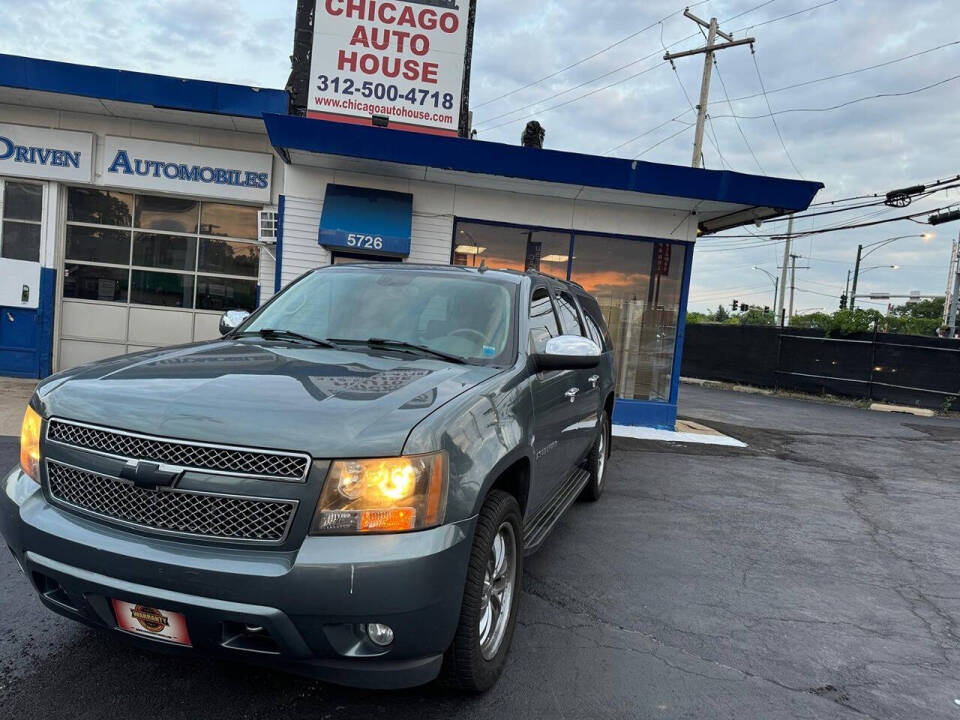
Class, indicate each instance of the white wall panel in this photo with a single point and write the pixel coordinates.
(149, 326)
(206, 327)
(301, 230)
(480, 204)
(93, 320)
(78, 352)
(431, 237)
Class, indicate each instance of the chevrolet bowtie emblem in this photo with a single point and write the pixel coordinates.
(147, 475)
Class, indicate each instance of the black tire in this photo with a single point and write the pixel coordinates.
(597, 462)
(464, 666)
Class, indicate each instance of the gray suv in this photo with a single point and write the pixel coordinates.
(344, 485)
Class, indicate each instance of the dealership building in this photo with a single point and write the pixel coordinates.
(137, 208)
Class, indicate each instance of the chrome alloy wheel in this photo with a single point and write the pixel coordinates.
(496, 600)
(602, 460)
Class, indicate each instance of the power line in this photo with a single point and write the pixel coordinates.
(776, 126)
(849, 102)
(847, 73)
(576, 99)
(583, 60)
(739, 127)
(842, 224)
(794, 86)
(623, 67)
(568, 90)
(782, 17)
(669, 137)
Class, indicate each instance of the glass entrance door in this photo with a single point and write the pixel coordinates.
(21, 212)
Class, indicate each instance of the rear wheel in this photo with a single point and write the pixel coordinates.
(597, 462)
(479, 650)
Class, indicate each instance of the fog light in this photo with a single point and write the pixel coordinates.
(381, 635)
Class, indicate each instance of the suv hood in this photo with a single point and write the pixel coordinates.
(329, 403)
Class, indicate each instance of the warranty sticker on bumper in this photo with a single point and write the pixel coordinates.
(151, 622)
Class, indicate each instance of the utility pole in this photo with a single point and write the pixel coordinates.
(707, 50)
(856, 277)
(793, 281)
(783, 274)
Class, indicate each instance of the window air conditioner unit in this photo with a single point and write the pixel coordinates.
(267, 222)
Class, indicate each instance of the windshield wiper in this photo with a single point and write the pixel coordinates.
(273, 334)
(403, 345)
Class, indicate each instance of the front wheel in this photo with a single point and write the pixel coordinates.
(597, 462)
(478, 653)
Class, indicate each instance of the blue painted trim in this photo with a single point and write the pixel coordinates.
(419, 149)
(681, 326)
(48, 287)
(278, 264)
(645, 413)
(143, 88)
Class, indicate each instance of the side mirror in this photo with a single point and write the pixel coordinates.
(231, 320)
(568, 352)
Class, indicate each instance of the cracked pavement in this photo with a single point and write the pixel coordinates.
(814, 574)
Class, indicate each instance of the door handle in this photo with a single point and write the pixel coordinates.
(594, 379)
(572, 393)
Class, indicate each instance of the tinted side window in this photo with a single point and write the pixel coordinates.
(596, 323)
(569, 317)
(543, 321)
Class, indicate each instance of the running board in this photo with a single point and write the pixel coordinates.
(537, 528)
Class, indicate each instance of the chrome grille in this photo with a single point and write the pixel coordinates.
(172, 511)
(235, 461)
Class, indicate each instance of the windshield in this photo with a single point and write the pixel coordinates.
(470, 317)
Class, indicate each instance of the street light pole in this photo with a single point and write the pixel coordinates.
(873, 248)
(776, 285)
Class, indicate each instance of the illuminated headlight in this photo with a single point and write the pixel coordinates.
(30, 444)
(382, 495)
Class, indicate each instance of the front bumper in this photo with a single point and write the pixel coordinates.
(310, 602)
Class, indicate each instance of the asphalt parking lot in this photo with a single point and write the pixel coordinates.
(814, 574)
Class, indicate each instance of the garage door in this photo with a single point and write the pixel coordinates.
(146, 271)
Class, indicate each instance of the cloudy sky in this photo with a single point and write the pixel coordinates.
(626, 101)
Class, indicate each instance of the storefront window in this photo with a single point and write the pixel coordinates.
(92, 282)
(20, 227)
(161, 245)
(170, 214)
(229, 221)
(505, 247)
(637, 284)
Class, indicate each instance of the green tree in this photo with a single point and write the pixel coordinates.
(818, 320)
(698, 318)
(847, 322)
(721, 315)
(756, 316)
(924, 309)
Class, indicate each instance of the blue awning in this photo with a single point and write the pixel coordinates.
(368, 221)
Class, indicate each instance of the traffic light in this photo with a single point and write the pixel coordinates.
(735, 305)
(766, 310)
(843, 302)
(745, 307)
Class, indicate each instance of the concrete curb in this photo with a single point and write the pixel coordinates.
(720, 385)
(919, 412)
